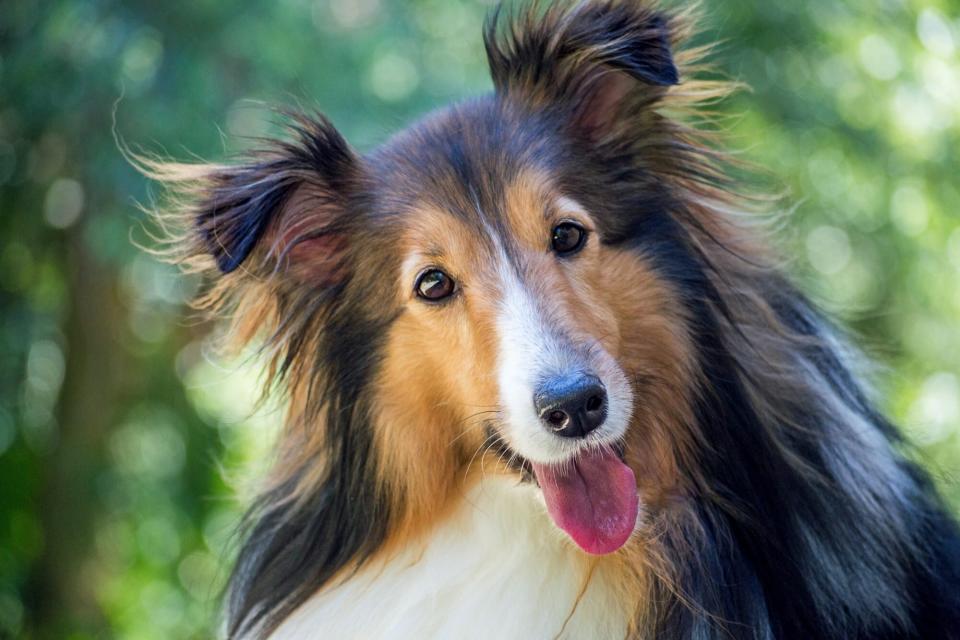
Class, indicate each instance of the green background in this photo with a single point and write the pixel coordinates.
(122, 434)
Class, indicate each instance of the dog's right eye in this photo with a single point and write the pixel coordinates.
(434, 285)
(568, 238)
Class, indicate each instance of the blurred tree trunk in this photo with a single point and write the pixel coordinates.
(62, 584)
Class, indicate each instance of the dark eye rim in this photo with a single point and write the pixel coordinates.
(584, 234)
(422, 274)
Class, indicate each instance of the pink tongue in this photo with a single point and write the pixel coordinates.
(593, 499)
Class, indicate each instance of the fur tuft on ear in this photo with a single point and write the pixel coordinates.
(588, 56)
(291, 193)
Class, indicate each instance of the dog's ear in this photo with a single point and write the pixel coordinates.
(587, 57)
(282, 211)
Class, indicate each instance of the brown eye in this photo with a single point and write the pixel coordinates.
(434, 285)
(568, 238)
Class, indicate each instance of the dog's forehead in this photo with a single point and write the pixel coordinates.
(477, 163)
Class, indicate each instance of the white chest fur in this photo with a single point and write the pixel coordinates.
(498, 568)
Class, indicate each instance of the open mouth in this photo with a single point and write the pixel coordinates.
(592, 496)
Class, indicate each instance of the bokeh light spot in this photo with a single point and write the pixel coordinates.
(909, 210)
(158, 540)
(11, 615)
(141, 58)
(879, 58)
(354, 13)
(828, 249)
(935, 33)
(936, 411)
(149, 445)
(63, 203)
(393, 77)
(198, 574)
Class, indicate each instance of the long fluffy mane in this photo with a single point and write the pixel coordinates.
(800, 516)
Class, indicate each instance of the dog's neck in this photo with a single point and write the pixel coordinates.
(496, 568)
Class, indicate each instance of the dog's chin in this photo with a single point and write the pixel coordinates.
(591, 496)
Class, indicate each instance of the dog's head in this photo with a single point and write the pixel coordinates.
(491, 280)
(502, 279)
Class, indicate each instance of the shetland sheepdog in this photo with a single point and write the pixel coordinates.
(545, 380)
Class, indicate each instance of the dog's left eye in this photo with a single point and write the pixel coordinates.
(568, 238)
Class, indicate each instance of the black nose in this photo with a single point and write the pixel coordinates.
(571, 405)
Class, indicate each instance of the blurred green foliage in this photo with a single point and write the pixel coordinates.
(118, 426)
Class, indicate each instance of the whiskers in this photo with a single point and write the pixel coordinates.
(474, 421)
(506, 457)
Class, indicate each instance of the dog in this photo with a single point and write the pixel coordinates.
(545, 378)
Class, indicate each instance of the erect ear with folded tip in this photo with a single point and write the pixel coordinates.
(586, 57)
(282, 212)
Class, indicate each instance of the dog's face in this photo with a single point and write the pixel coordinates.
(476, 281)
(523, 331)
(512, 323)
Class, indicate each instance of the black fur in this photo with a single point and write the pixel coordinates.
(243, 201)
(293, 547)
(618, 36)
